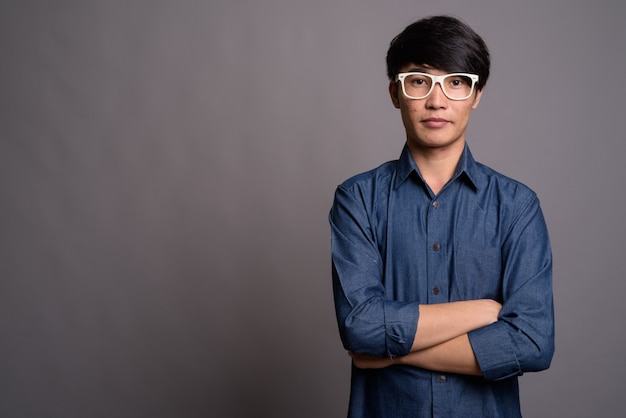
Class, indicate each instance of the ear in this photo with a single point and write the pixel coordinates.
(479, 94)
(393, 93)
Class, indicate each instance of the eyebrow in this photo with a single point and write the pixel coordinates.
(418, 70)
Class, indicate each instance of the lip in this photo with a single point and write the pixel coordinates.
(435, 122)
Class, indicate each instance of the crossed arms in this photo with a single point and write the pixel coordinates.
(441, 342)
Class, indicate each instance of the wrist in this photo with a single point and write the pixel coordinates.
(400, 360)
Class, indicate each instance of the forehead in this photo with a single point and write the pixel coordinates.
(421, 68)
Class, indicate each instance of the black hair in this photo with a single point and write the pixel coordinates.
(442, 42)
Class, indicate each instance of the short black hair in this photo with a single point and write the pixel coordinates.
(443, 42)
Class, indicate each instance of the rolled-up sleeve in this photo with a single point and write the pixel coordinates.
(368, 322)
(522, 340)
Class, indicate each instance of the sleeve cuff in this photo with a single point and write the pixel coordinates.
(400, 326)
(494, 352)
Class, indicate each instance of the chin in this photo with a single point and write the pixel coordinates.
(437, 142)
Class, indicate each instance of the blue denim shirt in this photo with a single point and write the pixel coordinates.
(395, 245)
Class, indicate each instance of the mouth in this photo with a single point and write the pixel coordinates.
(435, 122)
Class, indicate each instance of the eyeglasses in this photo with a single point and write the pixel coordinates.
(456, 86)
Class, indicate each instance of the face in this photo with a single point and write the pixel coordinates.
(434, 122)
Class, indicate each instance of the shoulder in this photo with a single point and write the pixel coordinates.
(381, 175)
(367, 190)
(493, 178)
(503, 190)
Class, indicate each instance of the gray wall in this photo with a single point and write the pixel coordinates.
(166, 169)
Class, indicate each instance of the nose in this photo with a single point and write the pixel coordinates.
(436, 99)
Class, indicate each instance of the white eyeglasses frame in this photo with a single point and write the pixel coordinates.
(436, 79)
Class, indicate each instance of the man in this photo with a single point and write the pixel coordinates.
(442, 267)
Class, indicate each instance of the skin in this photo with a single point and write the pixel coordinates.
(435, 130)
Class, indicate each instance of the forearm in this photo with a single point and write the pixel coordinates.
(443, 322)
(452, 356)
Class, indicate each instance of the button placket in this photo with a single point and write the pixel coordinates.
(436, 235)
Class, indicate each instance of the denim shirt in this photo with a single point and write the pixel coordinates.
(396, 245)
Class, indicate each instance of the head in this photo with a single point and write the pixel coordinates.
(436, 46)
(441, 42)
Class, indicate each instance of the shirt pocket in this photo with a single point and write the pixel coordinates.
(477, 272)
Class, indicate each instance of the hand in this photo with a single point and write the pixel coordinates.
(492, 309)
(365, 361)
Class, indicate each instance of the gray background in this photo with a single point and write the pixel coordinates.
(166, 170)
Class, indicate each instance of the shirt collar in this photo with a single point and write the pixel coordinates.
(467, 168)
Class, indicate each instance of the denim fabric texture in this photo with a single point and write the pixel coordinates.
(396, 245)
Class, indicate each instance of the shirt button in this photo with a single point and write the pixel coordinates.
(442, 379)
(436, 290)
(435, 204)
(436, 246)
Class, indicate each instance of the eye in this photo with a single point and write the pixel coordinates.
(457, 82)
(418, 80)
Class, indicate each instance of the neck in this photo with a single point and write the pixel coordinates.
(437, 165)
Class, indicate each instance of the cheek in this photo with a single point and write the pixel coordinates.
(465, 112)
(411, 109)
(410, 116)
